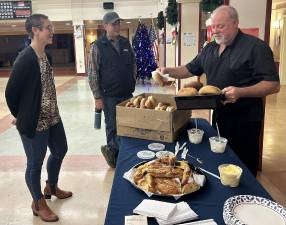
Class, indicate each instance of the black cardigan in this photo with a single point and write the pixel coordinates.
(24, 91)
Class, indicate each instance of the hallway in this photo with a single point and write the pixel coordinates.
(84, 170)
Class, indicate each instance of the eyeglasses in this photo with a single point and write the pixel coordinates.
(49, 27)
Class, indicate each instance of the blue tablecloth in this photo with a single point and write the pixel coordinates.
(207, 202)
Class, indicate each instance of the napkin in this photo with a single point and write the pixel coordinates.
(182, 213)
(153, 208)
(202, 222)
(136, 220)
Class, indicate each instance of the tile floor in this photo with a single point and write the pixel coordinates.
(84, 170)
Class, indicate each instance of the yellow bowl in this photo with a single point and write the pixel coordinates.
(230, 174)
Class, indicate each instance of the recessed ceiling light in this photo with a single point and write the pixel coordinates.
(127, 22)
(13, 25)
(68, 24)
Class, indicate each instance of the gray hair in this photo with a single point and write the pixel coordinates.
(233, 15)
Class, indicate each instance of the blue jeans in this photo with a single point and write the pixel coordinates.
(36, 148)
(109, 109)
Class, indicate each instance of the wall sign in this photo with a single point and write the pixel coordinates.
(15, 9)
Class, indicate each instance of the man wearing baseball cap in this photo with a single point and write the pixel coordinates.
(111, 72)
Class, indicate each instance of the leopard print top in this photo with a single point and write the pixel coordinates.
(49, 112)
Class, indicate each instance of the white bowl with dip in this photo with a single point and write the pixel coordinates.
(195, 135)
(218, 144)
(230, 174)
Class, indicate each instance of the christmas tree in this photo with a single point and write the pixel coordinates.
(142, 46)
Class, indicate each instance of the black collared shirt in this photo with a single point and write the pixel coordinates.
(245, 62)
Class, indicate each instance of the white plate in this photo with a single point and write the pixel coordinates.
(145, 154)
(160, 154)
(156, 146)
(253, 210)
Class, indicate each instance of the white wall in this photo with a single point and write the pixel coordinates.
(189, 25)
(251, 14)
(170, 48)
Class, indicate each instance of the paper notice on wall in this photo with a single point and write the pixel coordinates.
(136, 220)
(169, 40)
(190, 39)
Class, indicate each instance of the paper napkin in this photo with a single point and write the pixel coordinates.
(153, 208)
(136, 220)
(202, 222)
(182, 213)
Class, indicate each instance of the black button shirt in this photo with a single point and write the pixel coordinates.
(245, 62)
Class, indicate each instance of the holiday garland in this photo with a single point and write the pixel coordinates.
(210, 5)
(160, 20)
(172, 12)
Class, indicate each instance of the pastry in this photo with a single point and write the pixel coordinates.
(158, 78)
(194, 84)
(148, 104)
(209, 89)
(129, 104)
(165, 176)
(189, 91)
(152, 99)
(137, 101)
(142, 103)
(170, 109)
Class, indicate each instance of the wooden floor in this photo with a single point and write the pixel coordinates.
(273, 175)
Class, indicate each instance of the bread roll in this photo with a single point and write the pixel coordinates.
(160, 104)
(132, 99)
(170, 109)
(158, 108)
(158, 78)
(148, 104)
(195, 84)
(129, 104)
(137, 101)
(163, 107)
(190, 91)
(209, 89)
(152, 99)
(142, 103)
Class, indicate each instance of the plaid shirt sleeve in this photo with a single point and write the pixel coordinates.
(92, 71)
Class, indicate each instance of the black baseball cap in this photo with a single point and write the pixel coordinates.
(111, 17)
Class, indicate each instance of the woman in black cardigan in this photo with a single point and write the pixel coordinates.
(31, 98)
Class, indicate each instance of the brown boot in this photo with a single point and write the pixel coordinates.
(56, 191)
(42, 210)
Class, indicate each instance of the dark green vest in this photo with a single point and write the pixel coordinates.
(116, 69)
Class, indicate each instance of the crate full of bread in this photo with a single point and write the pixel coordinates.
(151, 116)
(196, 96)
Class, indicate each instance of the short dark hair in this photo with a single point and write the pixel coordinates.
(35, 20)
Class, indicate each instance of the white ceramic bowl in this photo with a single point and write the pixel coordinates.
(195, 135)
(230, 174)
(218, 144)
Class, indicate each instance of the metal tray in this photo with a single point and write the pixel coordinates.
(198, 102)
